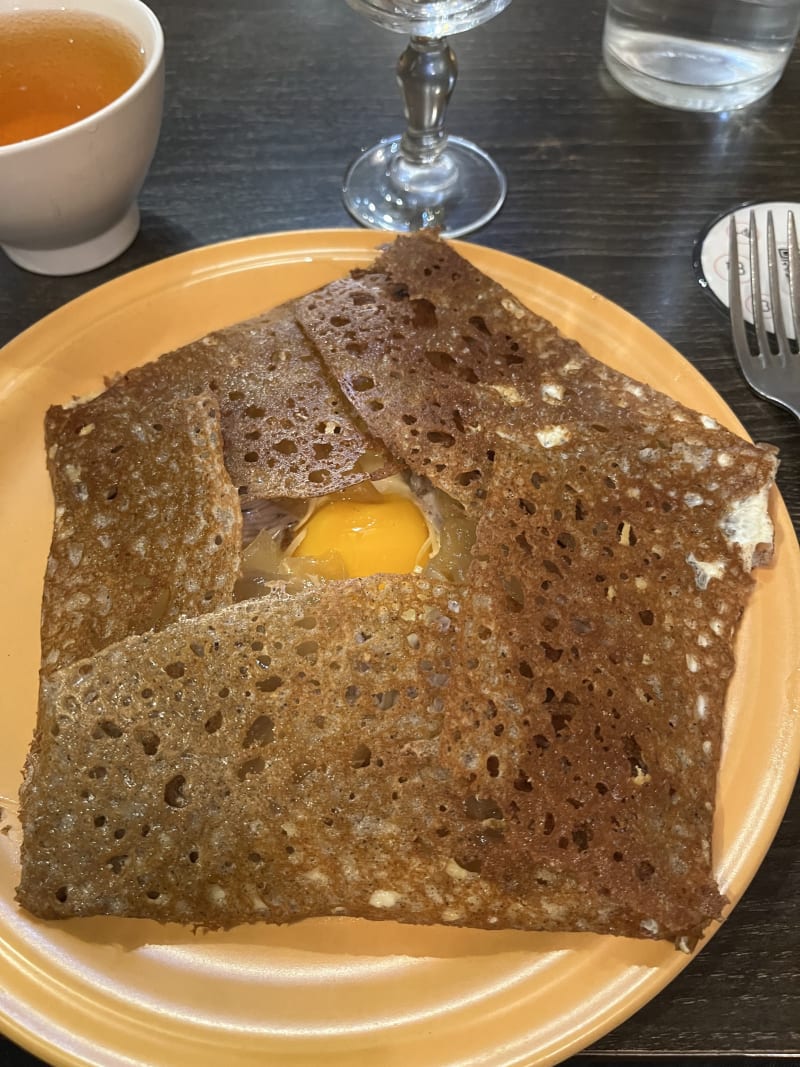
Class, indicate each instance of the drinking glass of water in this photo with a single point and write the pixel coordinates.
(425, 177)
(700, 55)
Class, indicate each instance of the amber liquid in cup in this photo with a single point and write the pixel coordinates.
(58, 67)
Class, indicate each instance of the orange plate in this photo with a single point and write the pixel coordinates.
(336, 992)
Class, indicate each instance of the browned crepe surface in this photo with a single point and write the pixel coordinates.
(444, 365)
(284, 760)
(286, 429)
(208, 775)
(601, 647)
(147, 524)
(536, 749)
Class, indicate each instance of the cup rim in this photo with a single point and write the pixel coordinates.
(151, 66)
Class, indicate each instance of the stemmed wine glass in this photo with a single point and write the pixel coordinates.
(425, 177)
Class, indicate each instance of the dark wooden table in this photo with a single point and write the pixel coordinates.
(267, 101)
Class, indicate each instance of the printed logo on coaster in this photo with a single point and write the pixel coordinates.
(711, 256)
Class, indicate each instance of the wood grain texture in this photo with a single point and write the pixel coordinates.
(266, 103)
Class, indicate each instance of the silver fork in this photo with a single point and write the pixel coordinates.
(773, 375)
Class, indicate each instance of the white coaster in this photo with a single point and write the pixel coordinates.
(711, 256)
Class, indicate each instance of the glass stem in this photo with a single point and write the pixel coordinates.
(426, 74)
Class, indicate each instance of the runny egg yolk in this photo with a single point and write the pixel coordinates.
(385, 536)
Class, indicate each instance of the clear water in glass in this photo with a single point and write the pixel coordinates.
(703, 55)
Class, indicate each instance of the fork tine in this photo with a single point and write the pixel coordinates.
(774, 290)
(738, 330)
(794, 276)
(773, 379)
(755, 286)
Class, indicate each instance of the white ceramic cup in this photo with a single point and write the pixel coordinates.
(68, 199)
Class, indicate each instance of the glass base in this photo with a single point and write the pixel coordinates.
(458, 193)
